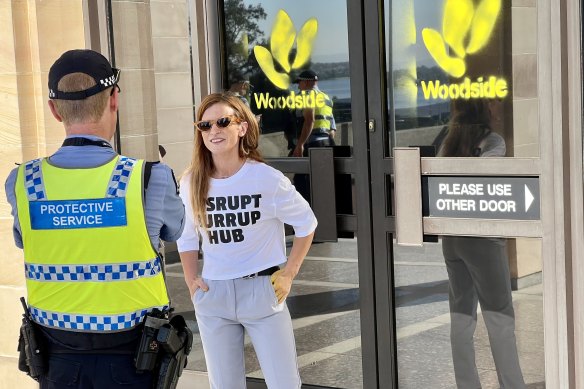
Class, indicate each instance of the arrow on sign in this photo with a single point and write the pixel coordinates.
(528, 198)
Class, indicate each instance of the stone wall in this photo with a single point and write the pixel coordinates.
(34, 34)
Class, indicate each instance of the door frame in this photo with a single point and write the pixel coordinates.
(575, 83)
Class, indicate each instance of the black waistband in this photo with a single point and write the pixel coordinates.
(70, 342)
(265, 272)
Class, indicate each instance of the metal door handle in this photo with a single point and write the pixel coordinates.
(408, 196)
(322, 188)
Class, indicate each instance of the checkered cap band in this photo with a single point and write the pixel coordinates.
(33, 180)
(108, 81)
(120, 177)
(93, 273)
(80, 322)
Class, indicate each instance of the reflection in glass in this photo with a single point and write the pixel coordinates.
(268, 45)
(447, 50)
(423, 315)
(478, 268)
(469, 310)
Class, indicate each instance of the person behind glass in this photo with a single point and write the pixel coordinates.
(241, 90)
(237, 206)
(478, 268)
(81, 221)
(315, 126)
(312, 127)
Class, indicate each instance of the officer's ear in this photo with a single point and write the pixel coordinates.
(54, 111)
(114, 100)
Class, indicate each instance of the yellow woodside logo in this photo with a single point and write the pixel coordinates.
(463, 23)
(282, 42)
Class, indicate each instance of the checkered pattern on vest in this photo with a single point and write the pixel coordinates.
(33, 180)
(101, 272)
(121, 175)
(35, 186)
(90, 322)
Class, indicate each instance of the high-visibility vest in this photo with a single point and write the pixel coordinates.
(89, 262)
(323, 116)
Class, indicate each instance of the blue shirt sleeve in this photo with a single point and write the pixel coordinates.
(165, 212)
(9, 187)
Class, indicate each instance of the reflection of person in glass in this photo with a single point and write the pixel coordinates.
(241, 89)
(478, 268)
(314, 126)
(236, 205)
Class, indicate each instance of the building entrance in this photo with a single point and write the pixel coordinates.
(442, 154)
(415, 133)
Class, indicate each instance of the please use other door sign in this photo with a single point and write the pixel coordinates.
(515, 198)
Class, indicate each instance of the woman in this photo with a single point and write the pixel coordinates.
(478, 268)
(237, 206)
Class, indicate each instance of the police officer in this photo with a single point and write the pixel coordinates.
(315, 125)
(90, 233)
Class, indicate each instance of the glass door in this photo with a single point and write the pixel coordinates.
(460, 130)
(298, 65)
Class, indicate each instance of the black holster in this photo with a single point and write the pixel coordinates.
(163, 349)
(176, 340)
(32, 358)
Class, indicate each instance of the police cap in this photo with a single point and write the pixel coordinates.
(307, 75)
(84, 61)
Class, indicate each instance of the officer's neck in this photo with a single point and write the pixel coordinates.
(95, 129)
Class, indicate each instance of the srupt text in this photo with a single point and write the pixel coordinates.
(226, 215)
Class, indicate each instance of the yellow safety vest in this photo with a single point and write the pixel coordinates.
(323, 116)
(89, 262)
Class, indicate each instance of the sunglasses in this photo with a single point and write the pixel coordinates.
(114, 88)
(226, 121)
(117, 73)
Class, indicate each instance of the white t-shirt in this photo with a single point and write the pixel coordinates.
(493, 146)
(246, 214)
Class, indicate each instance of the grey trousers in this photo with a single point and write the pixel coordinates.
(478, 271)
(225, 311)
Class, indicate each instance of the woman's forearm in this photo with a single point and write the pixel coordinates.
(300, 247)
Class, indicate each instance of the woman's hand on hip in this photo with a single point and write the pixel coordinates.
(282, 283)
(195, 284)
